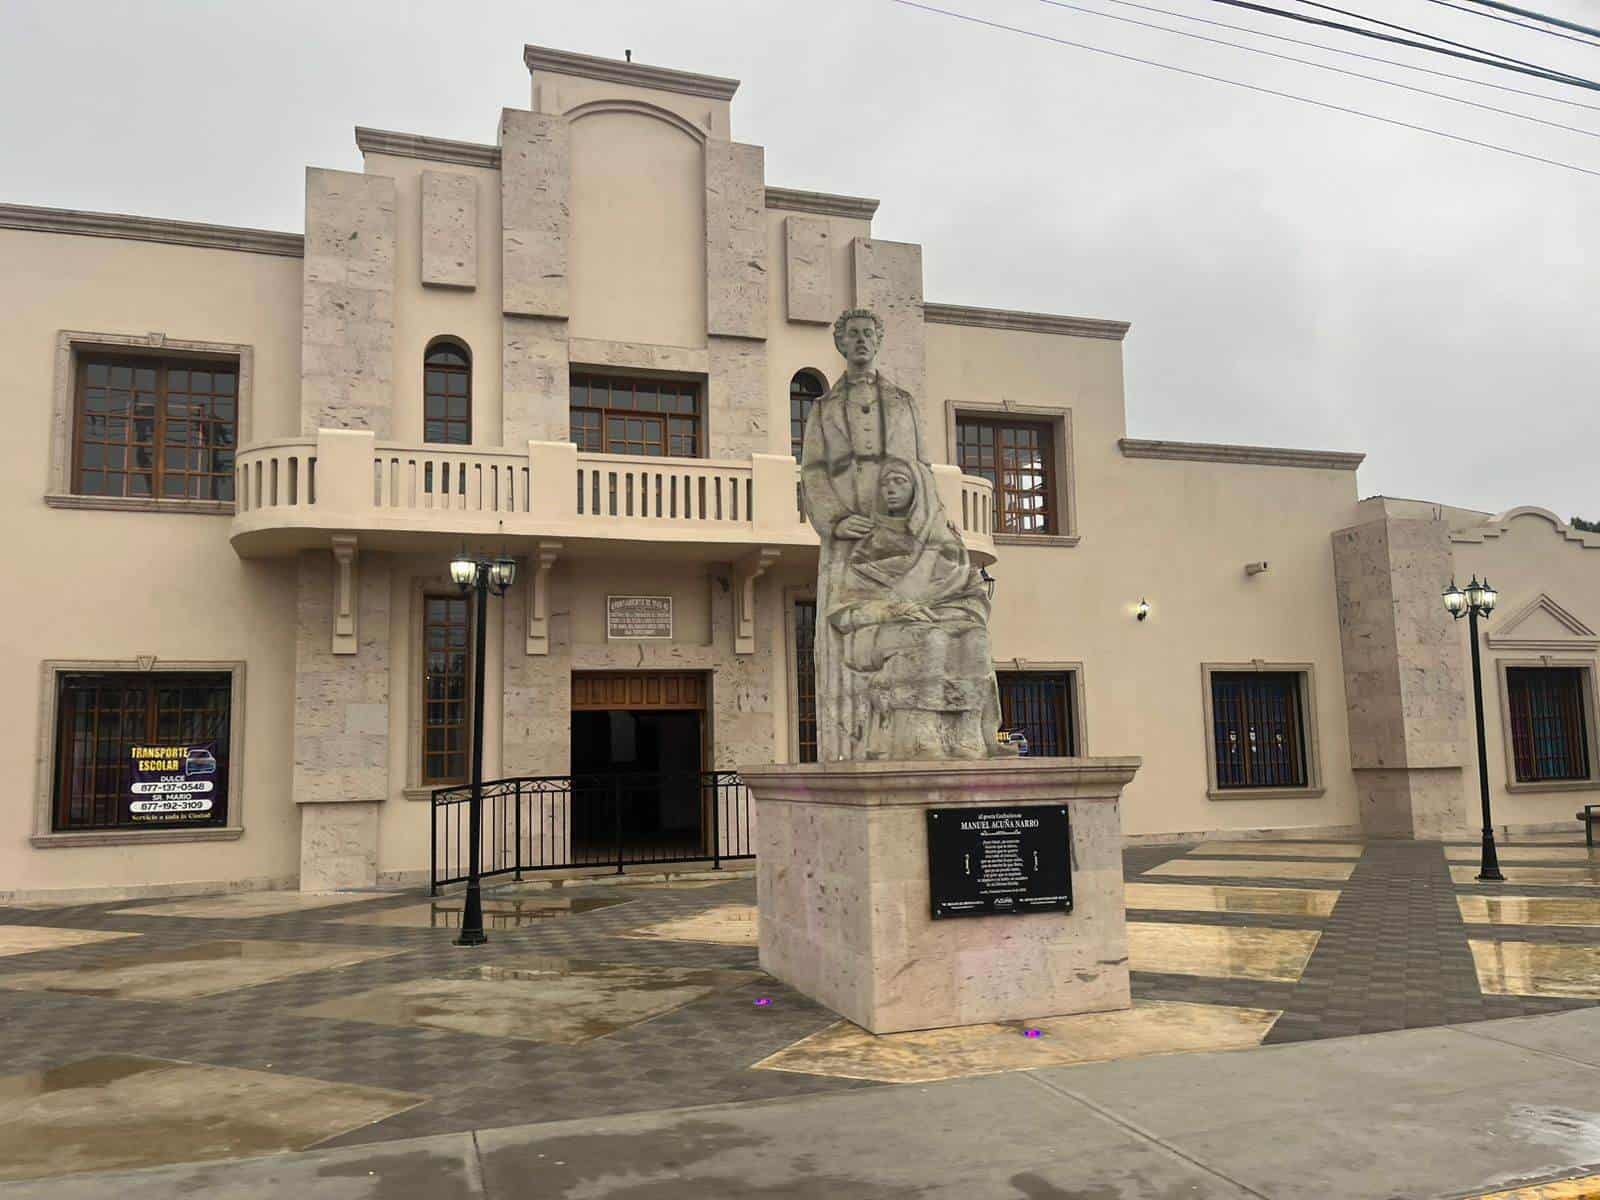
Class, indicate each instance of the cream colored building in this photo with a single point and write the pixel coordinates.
(240, 462)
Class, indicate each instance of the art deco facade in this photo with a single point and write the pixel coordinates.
(240, 462)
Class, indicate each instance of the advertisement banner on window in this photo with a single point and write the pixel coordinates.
(176, 785)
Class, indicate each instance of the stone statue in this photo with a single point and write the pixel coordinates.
(902, 642)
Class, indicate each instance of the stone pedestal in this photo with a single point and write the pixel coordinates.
(844, 894)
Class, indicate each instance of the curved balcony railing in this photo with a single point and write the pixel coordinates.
(291, 492)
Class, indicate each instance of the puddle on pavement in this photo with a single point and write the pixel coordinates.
(244, 906)
(1220, 952)
(185, 972)
(1204, 897)
(1529, 910)
(1242, 868)
(122, 1111)
(1526, 854)
(727, 924)
(541, 999)
(1587, 875)
(30, 939)
(1537, 968)
(1247, 849)
(498, 913)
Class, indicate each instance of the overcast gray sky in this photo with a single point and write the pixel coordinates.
(1294, 276)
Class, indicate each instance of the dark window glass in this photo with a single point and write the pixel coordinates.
(618, 415)
(1040, 705)
(444, 689)
(153, 427)
(1017, 458)
(1549, 723)
(805, 679)
(101, 718)
(1257, 729)
(805, 389)
(447, 395)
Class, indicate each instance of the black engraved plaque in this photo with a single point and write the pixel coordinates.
(986, 862)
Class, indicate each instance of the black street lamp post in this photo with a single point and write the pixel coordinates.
(480, 575)
(1478, 601)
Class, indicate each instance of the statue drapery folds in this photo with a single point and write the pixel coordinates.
(902, 644)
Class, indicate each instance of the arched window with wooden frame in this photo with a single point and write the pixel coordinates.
(447, 393)
(805, 389)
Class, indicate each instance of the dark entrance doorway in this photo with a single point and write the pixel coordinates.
(637, 753)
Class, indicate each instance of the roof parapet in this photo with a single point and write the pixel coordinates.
(1026, 322)
(432, 149)
(1255, 456)
(662, 79)
(151, 229)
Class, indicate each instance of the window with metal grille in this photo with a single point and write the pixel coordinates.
(805, 389)
(445, 625)
(1257, 729)
(1040, 704)
(1549, 723)
(617, 415)
(1018, 459)
(157, 428)
(100, 718)
(447, 394)
(805, 680)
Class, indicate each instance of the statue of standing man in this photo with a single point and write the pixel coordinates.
(902, 642)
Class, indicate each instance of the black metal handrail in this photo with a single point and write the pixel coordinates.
(557, 822)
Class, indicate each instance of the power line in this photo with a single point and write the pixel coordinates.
(1432, 37)
(1472, 12)
(1391, 62)
(1503, 64)
(1324, 104)
(1200, 37)
(1539, 16)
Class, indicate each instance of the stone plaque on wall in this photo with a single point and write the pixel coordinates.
(638, 617)
(986, 862)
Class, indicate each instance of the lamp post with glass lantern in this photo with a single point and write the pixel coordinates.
(1478, 600)
(480, 575)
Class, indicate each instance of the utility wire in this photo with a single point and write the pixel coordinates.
(1539, 16)
(1391, 62)
(1472, 12)
(1503, 64)
(1432, 37)
(1321, 66)
(1324, 104)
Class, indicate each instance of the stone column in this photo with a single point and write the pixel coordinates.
(341, 725)
(536, 721)
(347, 303)
(1405, 679)
(842, 878)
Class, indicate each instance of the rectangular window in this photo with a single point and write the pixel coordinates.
(445, 625)
(1017, 458)
(140, 750)
(1040, 705)
(155, 428)
(617, 415)
(805, 680)
(1257, 729)
(1549, 723)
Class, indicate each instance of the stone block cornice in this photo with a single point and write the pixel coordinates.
(860, 208)
(1025, 322)
(432, 149)
(1255, 456)
(151, 229)
(662, 79)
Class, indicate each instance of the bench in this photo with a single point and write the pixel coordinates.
(1590, 816)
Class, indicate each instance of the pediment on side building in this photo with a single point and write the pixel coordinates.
(1543, 625)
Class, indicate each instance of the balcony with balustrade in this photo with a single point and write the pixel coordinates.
(294, 493)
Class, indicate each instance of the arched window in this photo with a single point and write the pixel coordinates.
(805, 389)
(447, 393)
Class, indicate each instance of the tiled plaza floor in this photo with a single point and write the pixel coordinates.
(593, 1000)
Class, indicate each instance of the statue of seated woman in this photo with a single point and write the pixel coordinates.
(913, 614)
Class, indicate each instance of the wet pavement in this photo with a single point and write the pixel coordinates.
(295, 1021)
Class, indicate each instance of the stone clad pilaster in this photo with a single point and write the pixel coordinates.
(341, 724)
(535, 399)
(736, 240)
(1405, 677)
(535, 213)
(347, 303)
(738, 410)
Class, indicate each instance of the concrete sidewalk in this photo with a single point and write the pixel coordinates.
(1442, 1112)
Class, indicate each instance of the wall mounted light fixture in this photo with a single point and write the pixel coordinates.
(1143, 610)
